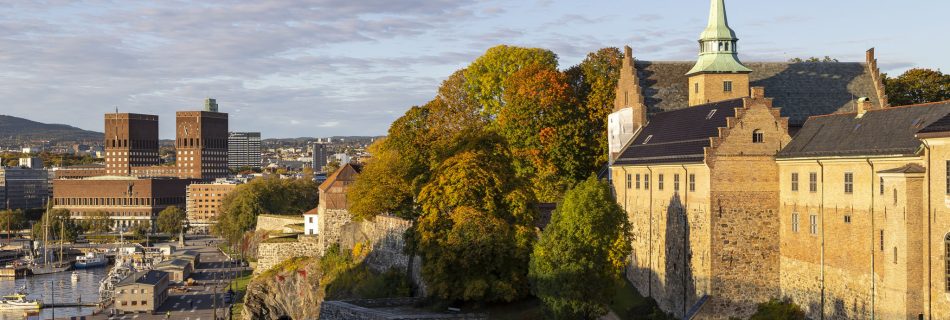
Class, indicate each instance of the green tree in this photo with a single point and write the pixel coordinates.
(580, 256)
(486, 76)
(476, 227)
(917, 86)
(271, 195)
(172, 220)
(61, 226)
(97, 222)
(142, 230)
(384, 185)
(12, 220)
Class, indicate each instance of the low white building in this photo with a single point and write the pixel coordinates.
(311, 223)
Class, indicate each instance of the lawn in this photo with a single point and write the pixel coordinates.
(240, 287)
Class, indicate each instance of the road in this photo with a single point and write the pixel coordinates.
(212, 276)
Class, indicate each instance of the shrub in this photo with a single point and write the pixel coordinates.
(777, 309)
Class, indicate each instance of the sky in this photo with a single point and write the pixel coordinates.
(350, 67)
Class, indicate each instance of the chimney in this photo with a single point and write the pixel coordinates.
(758, 92)
(863, 105)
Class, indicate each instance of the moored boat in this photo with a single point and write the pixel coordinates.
(91, 260)
(18, 301)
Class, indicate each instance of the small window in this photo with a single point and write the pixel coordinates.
(895, 255)
(847, 218)
(659, 182)
(711, 113)
(794, 181)
(895, 196)
(629, 183)
(676, 182)
(946, 250)
(948, 176)
(727, 46)
(882, 185)
(692, 182)
(758, 136)
(695, 89)
(812, 182)
(813, 224)
(882, 239)
(795, 222)
(638, 181)
(645, 141)
(848, 182)
(727, 86)
(646, 182)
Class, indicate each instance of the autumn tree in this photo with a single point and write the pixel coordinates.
(580, 256)
(476, 227)
(594, 82)
(917, 86)
(486, 76)
(383, 186)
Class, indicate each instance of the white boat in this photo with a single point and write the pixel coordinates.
(91, 260)
(18, 301)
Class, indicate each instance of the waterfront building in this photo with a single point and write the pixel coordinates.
(126, 200)
(178, 269)
(204, 202)
(143, 291)
(244, 150)
(23, 188)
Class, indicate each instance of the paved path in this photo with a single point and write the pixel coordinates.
(198, 302)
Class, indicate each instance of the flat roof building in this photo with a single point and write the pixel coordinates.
(143, 291)
(178, 269)
(127, 200)
(22, 188)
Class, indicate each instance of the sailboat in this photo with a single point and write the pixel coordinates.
(46, 267)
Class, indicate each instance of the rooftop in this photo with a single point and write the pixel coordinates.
(150, 277)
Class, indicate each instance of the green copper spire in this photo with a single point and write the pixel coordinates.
(717, 45)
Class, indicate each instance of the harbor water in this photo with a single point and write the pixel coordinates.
(57, 288)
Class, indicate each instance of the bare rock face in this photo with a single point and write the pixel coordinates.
(290, 289)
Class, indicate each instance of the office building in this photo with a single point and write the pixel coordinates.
(204, 203)
(319, 153)
(244, 150)
(23, 188)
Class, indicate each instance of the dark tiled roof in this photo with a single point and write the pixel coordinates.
(908, 168)
(175, 263)
(150, 277)
(678, 135)
(879, 132)
(800, 89)
(941, 125)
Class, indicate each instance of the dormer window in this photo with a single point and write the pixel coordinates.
(711, 113)
(645, 141)
(758, 136)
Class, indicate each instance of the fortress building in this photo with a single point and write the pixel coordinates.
(745, 182)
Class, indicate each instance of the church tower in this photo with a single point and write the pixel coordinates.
(718, 74)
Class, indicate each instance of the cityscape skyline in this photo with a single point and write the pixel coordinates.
(351, 68)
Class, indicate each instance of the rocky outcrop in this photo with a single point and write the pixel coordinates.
(291, 288)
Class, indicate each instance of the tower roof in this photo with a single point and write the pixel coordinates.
(718, 27)
(718, 51)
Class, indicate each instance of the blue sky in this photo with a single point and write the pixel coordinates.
(347, 67)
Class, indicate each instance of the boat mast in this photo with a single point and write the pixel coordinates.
(45, 233)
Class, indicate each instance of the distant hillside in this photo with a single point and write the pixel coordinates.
(19, 129)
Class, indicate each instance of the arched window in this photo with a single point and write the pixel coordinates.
(758, 136)
(946, 244)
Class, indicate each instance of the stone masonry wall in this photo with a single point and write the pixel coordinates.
(271, 254)
(384, 234)
(276, 223)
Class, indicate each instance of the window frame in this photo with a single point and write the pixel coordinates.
(659, 182)
(795, 228)
(676, 182)
(727, 86)
(758, 136)
(692, 182)
(813, 182)
(794, 180)
(849, 182)
(638, 181)
(646, 181)
(813, 224)
(629, 181)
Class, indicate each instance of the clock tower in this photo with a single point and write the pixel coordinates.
(201, 144)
